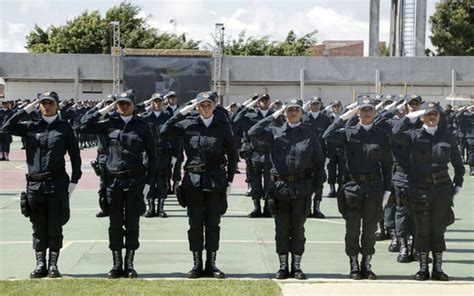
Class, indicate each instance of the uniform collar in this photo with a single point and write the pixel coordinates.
(287, 126)
(50, 119)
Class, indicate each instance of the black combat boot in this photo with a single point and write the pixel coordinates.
(437, 274)
(354, 268)
(257, 211)
(211, 268)
(117, 269)
(332, 190)
(130, 272)
(393, 246)
(266, 211)
(40, 270)
(296, 271)
(101, 214)
(53, 271)
(380, 232)
(423, 274)
(151, 209)
(403, 256)
(196, 271)
(161, 208)
(366, 268)
(317, 210)
(283, 272)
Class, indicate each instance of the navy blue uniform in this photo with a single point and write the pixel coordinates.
(47, 180)
(126, 143)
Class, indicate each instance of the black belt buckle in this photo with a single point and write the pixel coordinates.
(362, 178)
(291, 178)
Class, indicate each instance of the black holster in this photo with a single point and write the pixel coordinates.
(181, 196)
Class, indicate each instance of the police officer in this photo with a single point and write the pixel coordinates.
(403, 222)
(5, 138)
(209, 146)
(317, 122)
(128, 137)
(259, 151)
(48, 139)
(101, 159)
(156, 118)
(368, 162)
(177, 156)
(431, 191)
(465, 119)
(335, 154)
(297, 170)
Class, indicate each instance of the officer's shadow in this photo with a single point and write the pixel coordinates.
(173, 275)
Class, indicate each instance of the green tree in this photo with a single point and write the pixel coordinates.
(452, 26)
(90, 33)
(263, 46)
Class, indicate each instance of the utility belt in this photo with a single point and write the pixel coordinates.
(39, 177)
(292, 178)
(374, 176)
(202, 168)
(138, 171)
(435, 178)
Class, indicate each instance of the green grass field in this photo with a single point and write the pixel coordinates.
(139, 287)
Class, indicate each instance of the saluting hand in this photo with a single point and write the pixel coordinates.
(108, 108)
(186, 109)
(349, 114)
(415, 114)
(277, 113)
(31, 106)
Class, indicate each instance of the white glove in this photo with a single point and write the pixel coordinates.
(100, 104)
(349, 114)
(401, 107)
(415, 114)
(328, 107)
(229, 186)
(246, 102)
(148, 109)
(72, 187)
(108, 108)
(146, 189)
(351, 105)
(277, 113)
(390, 106)
(457, 189)
(379, 106)
(306, 105)
(148, 102)
(251, 103)
(31, 106)
(386, 196)
(186, 109)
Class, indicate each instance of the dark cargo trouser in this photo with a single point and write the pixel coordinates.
(205, 209)
(289, 224)
(126, 207)
(260, 170)
(49, 212)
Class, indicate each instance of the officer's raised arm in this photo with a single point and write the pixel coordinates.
(14, 126)
(335, 132)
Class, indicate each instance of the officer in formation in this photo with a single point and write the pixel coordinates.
(297, 170)
(367, 181)
(465, 121)
(5, 138)
(49, 187)
(316, 121)
(209, 172)
(100, 164)
(402, 222)
(156, 118)
(430, 189)
(258, 152)
(128, 181)
(177, 155)
(335, 155)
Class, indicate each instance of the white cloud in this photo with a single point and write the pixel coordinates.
(12, 36)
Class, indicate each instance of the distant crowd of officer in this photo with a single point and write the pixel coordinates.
(387, 155)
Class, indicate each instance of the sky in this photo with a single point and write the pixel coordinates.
(333, 19)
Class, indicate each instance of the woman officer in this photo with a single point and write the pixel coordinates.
(48, 138)
(209, 146)
(430, 189)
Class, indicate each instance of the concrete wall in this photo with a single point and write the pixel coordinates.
(328, 77)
